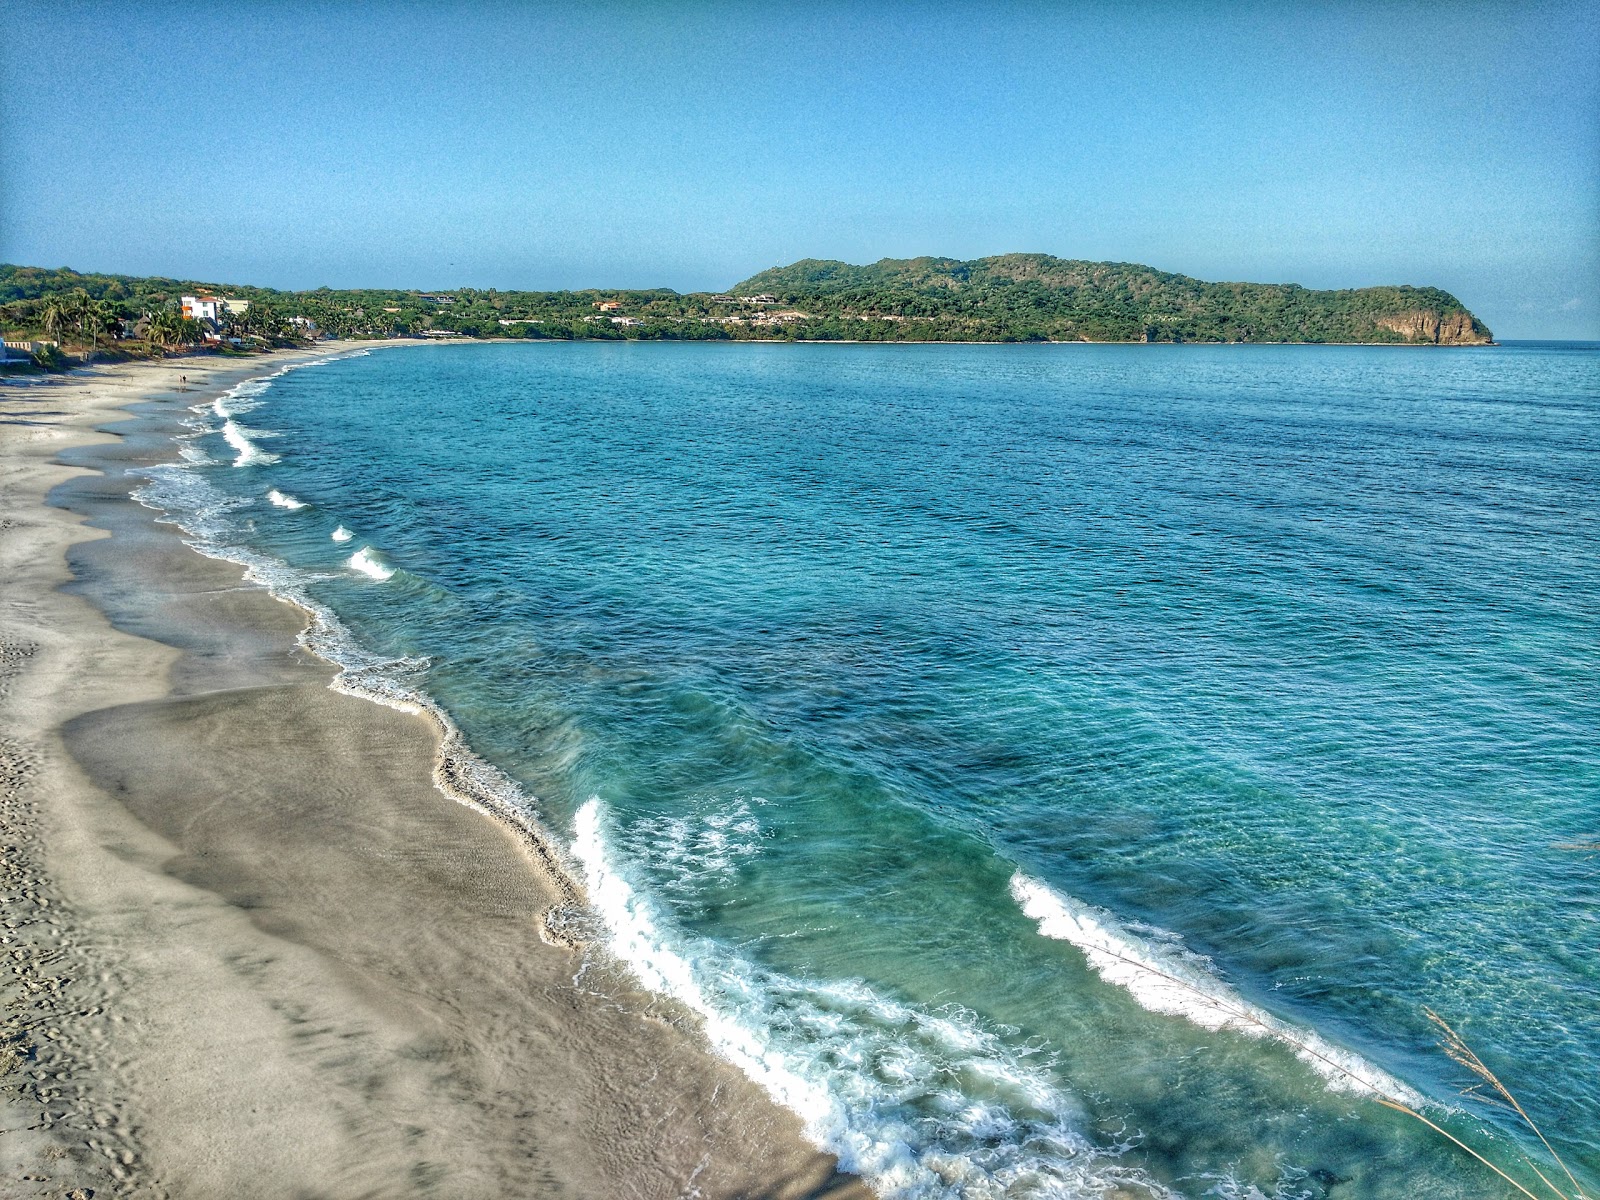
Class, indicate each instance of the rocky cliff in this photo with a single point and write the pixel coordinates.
(1459, 328)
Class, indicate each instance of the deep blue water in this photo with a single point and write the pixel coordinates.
(1048, 768)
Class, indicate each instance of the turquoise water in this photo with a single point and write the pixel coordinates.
(1049, 769)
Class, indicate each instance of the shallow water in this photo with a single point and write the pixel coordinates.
(1046, 768)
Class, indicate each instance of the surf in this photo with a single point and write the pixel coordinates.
(1168, 978)
(246, 452)
(370, 565)
(926, 1105)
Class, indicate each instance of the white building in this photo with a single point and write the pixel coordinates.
(204, 308)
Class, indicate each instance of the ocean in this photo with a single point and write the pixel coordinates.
(1051, 770)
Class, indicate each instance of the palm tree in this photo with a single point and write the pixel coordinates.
(162, 326)
(54, 318)
(95, 317)
(166, 327)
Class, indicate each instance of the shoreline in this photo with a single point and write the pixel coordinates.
(248, 941)
(512, 341)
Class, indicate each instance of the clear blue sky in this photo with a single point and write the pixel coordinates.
(689, 145)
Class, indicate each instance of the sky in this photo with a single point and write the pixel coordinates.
(690, 145)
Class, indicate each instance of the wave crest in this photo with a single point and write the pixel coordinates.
(1167, 978)
(368, 563)
(246, 452)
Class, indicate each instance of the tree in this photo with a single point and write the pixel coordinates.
(166, 327)
(54, 318)
(160, 326)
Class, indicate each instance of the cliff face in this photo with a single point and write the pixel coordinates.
(1451, 329)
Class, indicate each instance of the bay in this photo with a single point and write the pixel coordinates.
(1050, 769)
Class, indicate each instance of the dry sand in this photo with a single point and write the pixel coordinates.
(248, 949)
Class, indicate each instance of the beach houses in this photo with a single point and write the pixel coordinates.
(212, 308)
(210, 311)
(203, 308)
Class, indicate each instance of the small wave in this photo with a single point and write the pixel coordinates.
(924, 1104)
(1170, 979)
(242, 397)
(247, 453)
(368, 563)
(284, 500)
(341, 534)
(246, 397)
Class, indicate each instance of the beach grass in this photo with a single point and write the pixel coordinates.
(1491, 1091)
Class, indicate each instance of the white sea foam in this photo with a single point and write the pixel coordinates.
(368, 563)
(247, 396)
(703, 849)
(341, 534)
(242, 397)
(1165, 977)
(246, 452)
(923, 1104)
(284, 500)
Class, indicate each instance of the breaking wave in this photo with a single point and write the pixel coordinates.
(924, 1104)
(368, 563)
(246, 452)
(1167, 978)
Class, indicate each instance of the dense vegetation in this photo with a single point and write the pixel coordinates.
(1014, 297)
(1035, 296)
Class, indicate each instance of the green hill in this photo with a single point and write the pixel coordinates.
(1013, 297)
(1039, 296)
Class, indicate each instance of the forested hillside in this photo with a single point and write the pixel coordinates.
(1037, 296)
(1013, 297)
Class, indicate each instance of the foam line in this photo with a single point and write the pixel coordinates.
(924, 1105)
(1172, 980)
(246, 452)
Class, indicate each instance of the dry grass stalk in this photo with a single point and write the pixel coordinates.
(1463, 1054)
(1445, 1133)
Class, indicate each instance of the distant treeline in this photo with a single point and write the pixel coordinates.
(1014, 297)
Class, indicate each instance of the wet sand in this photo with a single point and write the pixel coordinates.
(249, 948)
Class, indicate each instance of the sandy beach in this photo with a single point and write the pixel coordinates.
(249, 948)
